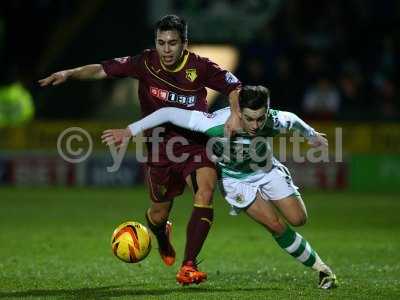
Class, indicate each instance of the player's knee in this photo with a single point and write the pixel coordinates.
(276, 227)
(298, 220)
(204, 196)
(158, 214)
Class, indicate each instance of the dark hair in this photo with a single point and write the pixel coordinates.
(254, 97)
(172, 22)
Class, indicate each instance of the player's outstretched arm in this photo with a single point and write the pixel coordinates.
(177, 116)
(189, 119)
(94, 71)
(288, 120)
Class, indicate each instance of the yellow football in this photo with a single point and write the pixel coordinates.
(131, 242)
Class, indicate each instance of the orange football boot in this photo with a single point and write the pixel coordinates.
(189, 274)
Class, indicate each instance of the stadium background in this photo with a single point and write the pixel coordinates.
(334, 63)
(347, 53)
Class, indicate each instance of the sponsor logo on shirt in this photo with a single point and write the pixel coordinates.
(191, 74)
(230, 78)
(187, 100)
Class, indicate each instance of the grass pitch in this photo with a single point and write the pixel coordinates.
(55, 244)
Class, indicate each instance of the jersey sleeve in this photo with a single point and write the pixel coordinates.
(129, 66)
(212, 124)
(189, 119)
(218, 79)
(290, 121)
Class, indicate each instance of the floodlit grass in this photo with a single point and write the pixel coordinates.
(55, 244)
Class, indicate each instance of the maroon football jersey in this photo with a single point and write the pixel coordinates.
(183, 87)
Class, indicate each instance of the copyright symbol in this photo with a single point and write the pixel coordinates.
(74, 145)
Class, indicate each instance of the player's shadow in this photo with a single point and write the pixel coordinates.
(116, 291)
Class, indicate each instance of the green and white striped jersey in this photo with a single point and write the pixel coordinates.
(238, 156)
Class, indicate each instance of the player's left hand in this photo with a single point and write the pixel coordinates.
(318, 140)
(116, 137)
(232, 125)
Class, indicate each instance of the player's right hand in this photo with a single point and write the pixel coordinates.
(232, 125)
(116, 137)
(55, 78)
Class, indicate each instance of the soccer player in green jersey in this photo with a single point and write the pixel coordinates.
(253, 180)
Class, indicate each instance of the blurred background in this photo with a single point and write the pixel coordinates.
(334, 63)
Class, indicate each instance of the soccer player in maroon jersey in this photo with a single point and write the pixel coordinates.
(170, 75)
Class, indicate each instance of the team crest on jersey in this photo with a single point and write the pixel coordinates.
(191, 74)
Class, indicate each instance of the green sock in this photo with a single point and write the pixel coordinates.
(298, 247)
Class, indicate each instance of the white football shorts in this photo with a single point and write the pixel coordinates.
(273, 185)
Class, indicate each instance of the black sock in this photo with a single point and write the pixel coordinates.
(157, 229)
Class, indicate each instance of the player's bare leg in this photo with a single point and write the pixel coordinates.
(202, 183)
(157, 221)
(265, 213)
(293, 209)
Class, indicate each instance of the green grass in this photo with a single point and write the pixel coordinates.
(55, 244)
